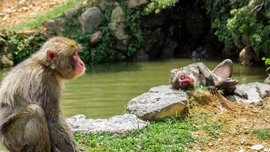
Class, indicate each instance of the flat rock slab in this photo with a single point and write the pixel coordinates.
(159, 103)
(256, 92)
(119, 125)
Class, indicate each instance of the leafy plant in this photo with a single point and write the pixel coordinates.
(266, 62)
(231, 21)
(137, 25)
(197, 88)
(159, 5)
(26, 46)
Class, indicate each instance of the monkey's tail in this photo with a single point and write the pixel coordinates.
(225, 103)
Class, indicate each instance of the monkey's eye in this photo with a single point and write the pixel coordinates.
(182, 77)
(75, 55)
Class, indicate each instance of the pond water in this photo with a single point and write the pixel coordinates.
(105, 89)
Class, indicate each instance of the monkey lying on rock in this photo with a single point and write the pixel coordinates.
(30, 116)
(198, 74)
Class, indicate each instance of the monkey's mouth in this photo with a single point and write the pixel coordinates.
(184, 81)
(80, 72)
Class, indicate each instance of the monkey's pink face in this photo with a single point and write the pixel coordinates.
(79, 66)
(185, 81)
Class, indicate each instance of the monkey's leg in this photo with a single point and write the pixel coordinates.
(224, 69)
(28, 131)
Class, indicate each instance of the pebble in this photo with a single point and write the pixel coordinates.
(210, 144)
(266, 150)
(257, 147)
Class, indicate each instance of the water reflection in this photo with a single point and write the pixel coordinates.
(104, 90)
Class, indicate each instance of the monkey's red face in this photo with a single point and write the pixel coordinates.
(79, 66)
(185, 81)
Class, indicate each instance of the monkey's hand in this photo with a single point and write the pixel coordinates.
(212, 89)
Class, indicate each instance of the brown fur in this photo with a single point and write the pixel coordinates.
(220, 77)
(30, 114)
(248, 56)
(267, 80)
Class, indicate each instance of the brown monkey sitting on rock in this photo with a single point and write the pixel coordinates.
(30, 116)
(198, 74)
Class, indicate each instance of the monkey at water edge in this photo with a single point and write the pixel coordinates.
(248, 56)
(30, 116)
(198, 74)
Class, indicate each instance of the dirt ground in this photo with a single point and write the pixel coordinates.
(15, 12)
(235, 133)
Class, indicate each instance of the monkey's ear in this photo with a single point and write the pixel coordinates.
(50, 55)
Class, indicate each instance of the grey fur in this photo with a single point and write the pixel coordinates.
(30, 114)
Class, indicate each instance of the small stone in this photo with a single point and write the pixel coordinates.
(257, 147)
(210, 144)
(242, 142)
(245, 128)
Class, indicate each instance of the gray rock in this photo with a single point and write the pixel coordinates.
(117, 26)
(168, 48)
(72, 13)
(159, 103)
(137, 3)
(256, 92)
(95, 38)
(141, 55)
(91, 18)
(257, 147)
(156, 20)
(56, 25)
(119, 125)
(195, 23)
(155, 42)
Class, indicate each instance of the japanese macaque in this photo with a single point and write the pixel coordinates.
(198, 74)
(30, 116)
(267, 80)
(248, 56)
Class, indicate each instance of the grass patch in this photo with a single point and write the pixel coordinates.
(38, 20)
(170, 135)
(262, 133)
(202, 87)
(209, 127)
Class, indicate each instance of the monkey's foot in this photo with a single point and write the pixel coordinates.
(227, 82)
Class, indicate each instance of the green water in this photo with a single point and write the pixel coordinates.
(104, 90)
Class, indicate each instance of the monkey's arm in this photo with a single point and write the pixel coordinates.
(208, 77)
